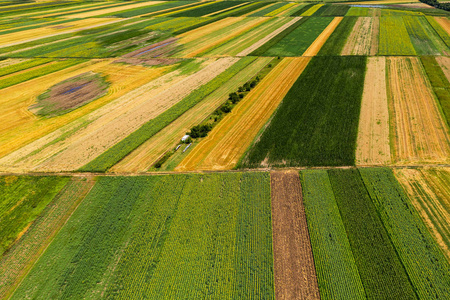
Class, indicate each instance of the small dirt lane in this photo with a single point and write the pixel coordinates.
(294, 270)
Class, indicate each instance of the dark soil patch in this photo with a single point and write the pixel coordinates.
(70, 94)
(163, 48)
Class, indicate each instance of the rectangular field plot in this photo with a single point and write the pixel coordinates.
(180, 236)
(429, 191)
(337, 272)
(317, 122)
(394, 37)
(424, 262)
(419, 132)
(296, 43)
(424, 38)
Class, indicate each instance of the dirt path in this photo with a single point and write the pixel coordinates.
(373, 132)
(229, 140)
(294, 270)
(420, 133)
(323, 37)
(360, 39)
(267, 38)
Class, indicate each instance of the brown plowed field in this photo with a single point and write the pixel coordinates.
(228, 141)
(323, 37)
(420, 133)
(294, 270)
(359, 41)
(373, 132)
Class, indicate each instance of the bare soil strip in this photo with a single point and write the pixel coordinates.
(323, 37)
(229, 140)
(373, 132)
(420, 133)
(17, 262)
(294, 270)
(429, 192)
(360, 40)
(267, 38)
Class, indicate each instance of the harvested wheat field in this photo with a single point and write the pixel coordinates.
(208, 41)
(420, 134)
(444, 62)
(227, 142)
(294, 270)
(322, 38)
(100, 130)
(148, 153)
(359, 41)
(15, 38)
(373, 131)
(19, 121)
(429, 191)
(17, 262)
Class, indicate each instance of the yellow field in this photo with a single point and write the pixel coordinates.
(38, 33)
(312, 10)
(96, 132)
(323, 37)
(99, 12)
(228, 141)
(226, 9)
(146, 155)
(206, 42)
(56, 12)
(280, 10)
(18, 121)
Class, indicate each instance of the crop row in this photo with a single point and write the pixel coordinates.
(317, 122)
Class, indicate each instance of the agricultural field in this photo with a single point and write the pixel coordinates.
(186, 149)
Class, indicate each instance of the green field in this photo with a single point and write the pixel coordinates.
(337, 40)
(380, 268)
(423, 260)
(122, 241)
(317, 122)
(22, 199)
